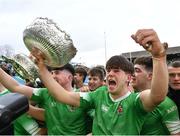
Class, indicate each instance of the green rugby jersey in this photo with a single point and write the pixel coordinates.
(61, 119)
(163, 120)
(125, 116)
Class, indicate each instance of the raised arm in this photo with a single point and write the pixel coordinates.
(58, 92)
(148, 38)
(11, 84)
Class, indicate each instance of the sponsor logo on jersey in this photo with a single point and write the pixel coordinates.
(53, 104)
(171, 109)
(104, 108)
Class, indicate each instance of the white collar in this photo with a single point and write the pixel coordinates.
(120, 98)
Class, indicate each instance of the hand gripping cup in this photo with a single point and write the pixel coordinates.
(55, 44)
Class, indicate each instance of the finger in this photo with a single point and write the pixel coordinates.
(134, 38)
(138, 37)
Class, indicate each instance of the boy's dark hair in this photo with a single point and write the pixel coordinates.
(96, 71)
(102, 68)
(146, 61)
(81, 71)
(175, 64)
(119, 61)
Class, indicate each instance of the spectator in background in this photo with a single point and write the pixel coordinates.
(164, 119)
(104, 71)
(174, 82)
(96, 77)
(79, 77)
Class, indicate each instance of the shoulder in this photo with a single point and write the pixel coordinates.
(93, 95)
(167, 106)
(134, 96)
(135, 100)
(166, 103)
(38, 90)
(102, 88)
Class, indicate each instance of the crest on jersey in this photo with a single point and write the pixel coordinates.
(119, 109)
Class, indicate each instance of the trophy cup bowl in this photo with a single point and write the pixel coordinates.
(24, 66)
(55, 44)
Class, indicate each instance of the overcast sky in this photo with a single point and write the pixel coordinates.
(93, 24)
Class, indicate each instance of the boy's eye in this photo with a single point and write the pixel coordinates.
(137, 70)
(108, 70)
(174, 74)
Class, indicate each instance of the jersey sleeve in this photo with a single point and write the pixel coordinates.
(90, 99)
(38, 94)
(86, 99)
(170, 117)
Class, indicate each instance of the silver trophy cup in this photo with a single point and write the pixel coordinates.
(54, 43)
(23, 66)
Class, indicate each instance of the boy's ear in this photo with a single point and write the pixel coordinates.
(129, 77)
(70, 77)
(150, 75)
